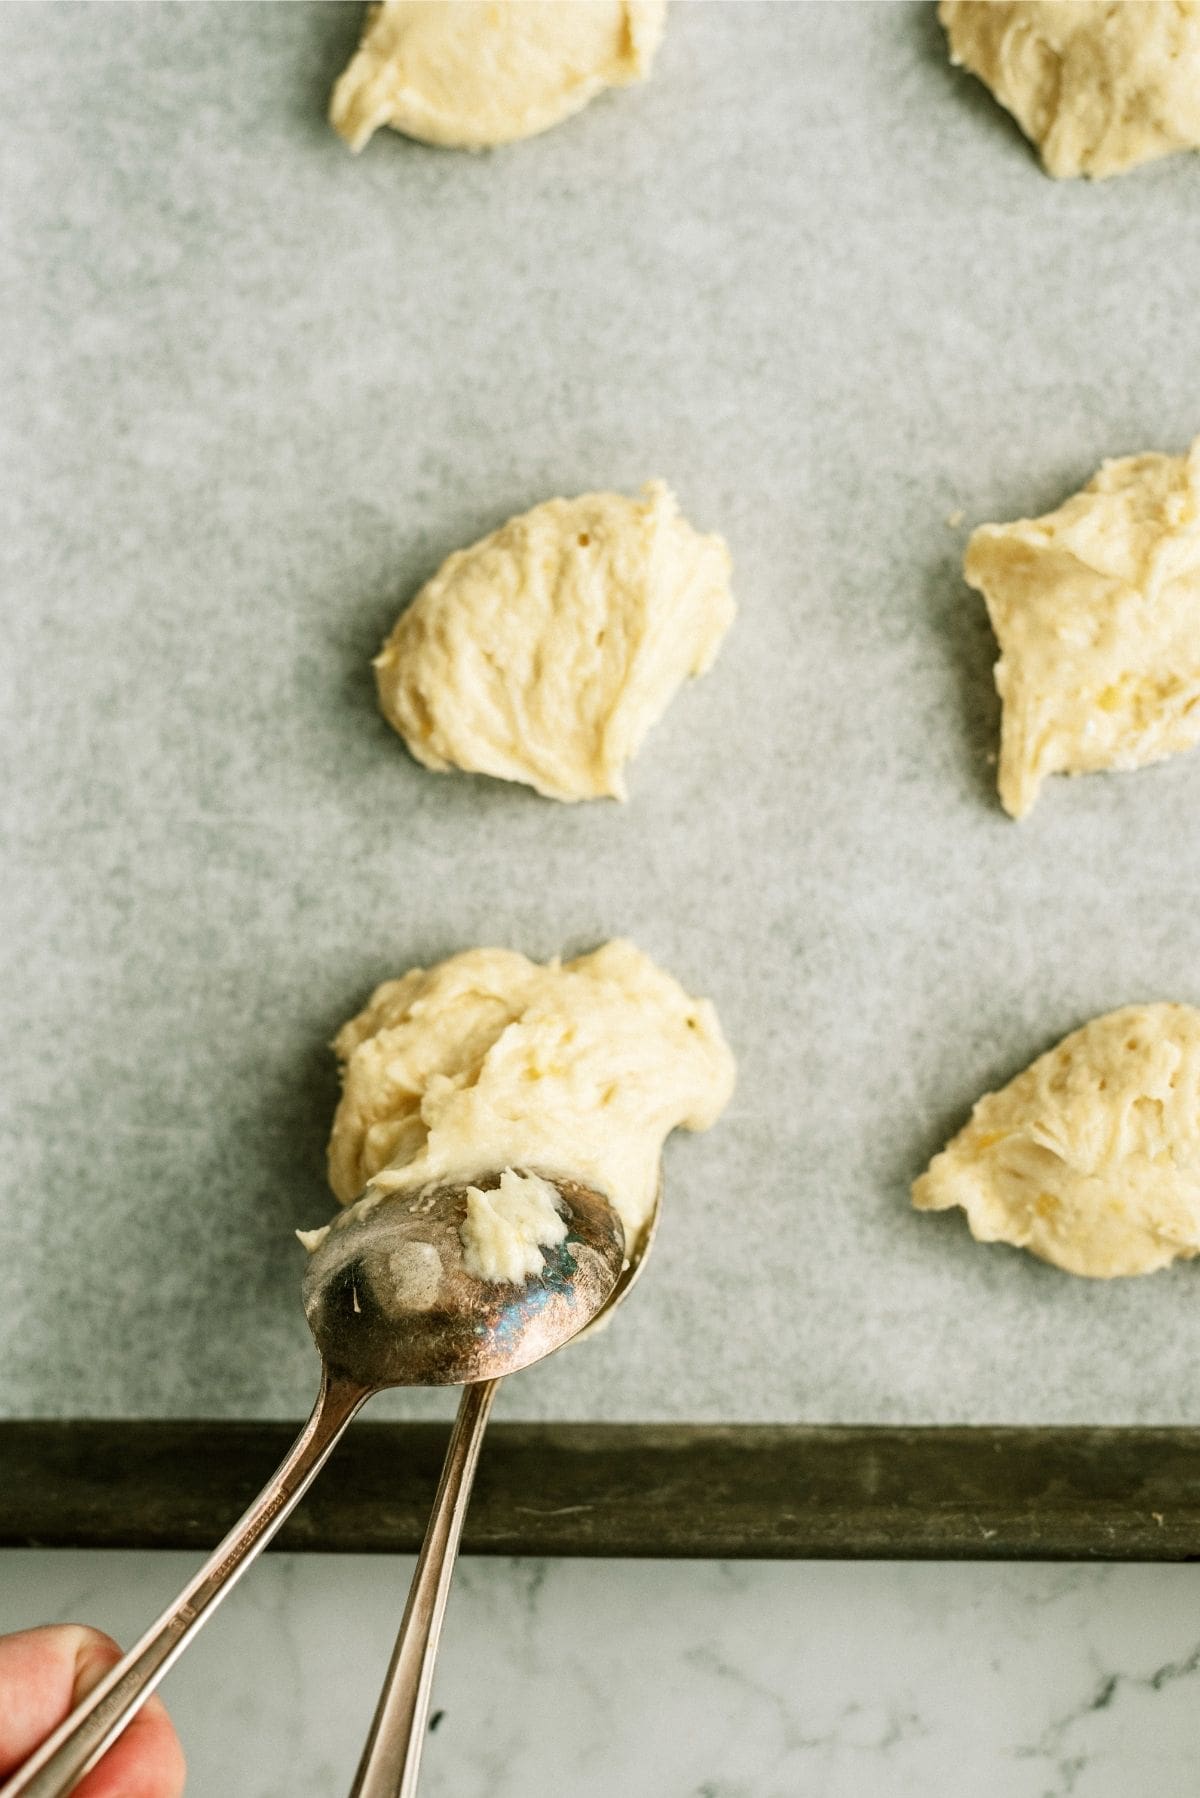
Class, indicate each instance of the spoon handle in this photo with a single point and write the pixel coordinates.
(79, 1741)
(391, 1759)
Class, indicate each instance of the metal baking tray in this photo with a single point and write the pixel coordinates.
(254, 390)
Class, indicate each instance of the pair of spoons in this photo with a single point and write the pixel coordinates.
(389, 1303)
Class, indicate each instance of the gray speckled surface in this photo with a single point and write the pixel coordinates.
(255, 390)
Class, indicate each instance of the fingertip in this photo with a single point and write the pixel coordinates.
(44, 1673)
(39, 1676)
(147, 1761)
(95, 1654)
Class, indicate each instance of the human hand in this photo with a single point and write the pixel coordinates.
(43, 1675)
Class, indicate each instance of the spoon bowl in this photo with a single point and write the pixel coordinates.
(390, 1303)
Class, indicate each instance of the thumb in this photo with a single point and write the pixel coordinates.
(44, 1673)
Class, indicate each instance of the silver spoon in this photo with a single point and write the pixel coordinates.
(389, 1303)
(391, 1758)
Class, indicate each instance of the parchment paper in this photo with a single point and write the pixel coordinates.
(255, 390)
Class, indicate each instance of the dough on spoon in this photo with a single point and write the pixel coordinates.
(489, 1060)
(545, 652)
(1099, 87)
(473, 73)
(1090, 1159)
(1097, 611)
(507, 1228)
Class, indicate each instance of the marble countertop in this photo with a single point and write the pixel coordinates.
(679, 1680)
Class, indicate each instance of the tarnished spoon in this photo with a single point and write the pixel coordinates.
(391, 1759)
(635, 1260)
(389, 1303)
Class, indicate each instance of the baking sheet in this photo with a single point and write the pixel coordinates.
(254, 390)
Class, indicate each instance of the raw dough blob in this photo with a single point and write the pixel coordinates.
(506, 1229)
(1097, 611)
(472, 73)
(1099, 86)
(1091, 1157)
(545, 652)
(488, 1061)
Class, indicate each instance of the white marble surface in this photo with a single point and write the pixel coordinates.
(680, 1680)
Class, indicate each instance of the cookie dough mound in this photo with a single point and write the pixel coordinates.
(1099, 87)
(473, 73)
(507, 1228)
(1097, 612)
(488, 1060)
(1090, 1159)
(546, 652)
